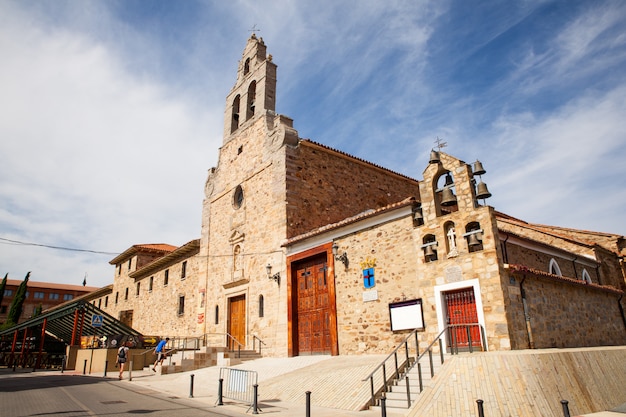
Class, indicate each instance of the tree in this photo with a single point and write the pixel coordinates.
(38, 310)
(16, 306)
(3, 284)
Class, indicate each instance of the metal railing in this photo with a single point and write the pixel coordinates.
(261, 343)
(407, 355)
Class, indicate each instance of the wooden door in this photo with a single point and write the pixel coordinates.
(461, 310)
(313, 308)
(237, 321)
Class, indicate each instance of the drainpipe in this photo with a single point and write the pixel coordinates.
(531, 342)
(574, 263)
(621, 309)
(505, 253)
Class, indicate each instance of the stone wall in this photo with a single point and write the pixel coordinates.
(564, 314)
(155, 311)
(364, 326)
(326, 186)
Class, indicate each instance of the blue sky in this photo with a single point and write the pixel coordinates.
(112, 111)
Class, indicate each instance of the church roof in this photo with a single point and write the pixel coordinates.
(154, 248)
(524, 270)
(357, 159)
(188, 249)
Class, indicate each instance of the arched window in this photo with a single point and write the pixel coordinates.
(251, 100)
(238, 197)
(430, 248)
(246, 66)
(234, 125)
(473, 237)
(586, 277)
(444, 192)
(217, 314)
(261, 306)
(554, 268)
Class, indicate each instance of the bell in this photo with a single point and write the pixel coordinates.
(418, 216)
(428, 252)
(481, 191)
(478, 168)
(447, 197)
(434, 157)
(472, 240)
(449, 180)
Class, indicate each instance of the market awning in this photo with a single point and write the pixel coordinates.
(77, 319)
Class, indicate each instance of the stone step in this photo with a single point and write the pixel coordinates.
(189, 360)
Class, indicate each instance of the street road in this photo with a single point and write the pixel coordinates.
(45, 394)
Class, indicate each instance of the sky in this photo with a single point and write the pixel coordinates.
(111, 111)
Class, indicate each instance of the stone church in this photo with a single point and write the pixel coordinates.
(305, 249)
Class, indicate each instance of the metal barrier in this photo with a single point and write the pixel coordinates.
(238, 385)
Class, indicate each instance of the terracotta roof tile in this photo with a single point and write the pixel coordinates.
(542, 274)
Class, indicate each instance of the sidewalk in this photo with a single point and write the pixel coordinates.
(206, 382)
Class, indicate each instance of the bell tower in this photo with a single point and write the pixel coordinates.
(254, 93)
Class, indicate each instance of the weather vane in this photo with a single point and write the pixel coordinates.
(254, 29)
(440, 143)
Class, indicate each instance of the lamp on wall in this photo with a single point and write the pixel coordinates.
(275, 277)
(343, 257)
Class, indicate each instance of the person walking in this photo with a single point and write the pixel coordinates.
(122, 356)
(160, 352)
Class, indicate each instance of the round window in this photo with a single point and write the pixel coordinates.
(238, 197)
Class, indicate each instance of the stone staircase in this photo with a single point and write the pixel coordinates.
(192, 359)
(397, 400)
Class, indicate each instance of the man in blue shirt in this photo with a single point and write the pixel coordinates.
(160, 352)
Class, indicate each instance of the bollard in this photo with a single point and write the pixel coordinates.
(564, 403)
(308, 404)
(191, 387)
(106, 365)
(383, 406)
(85, 367)
(481, 413)
(130, 369)
(219, 392)
(255, 407)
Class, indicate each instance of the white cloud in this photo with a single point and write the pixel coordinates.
(122, 156)
(565, 168)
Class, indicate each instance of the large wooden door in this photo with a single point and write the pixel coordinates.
(237, 321)
(313, 308)
(461, 310)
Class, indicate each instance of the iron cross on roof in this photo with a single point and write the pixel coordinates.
(254, 30)
(440, 143)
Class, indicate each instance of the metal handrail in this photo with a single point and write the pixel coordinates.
(231, 337)
(408, 363)
(254, 339)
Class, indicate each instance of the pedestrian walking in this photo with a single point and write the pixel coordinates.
(122, 356)
(160, 352)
